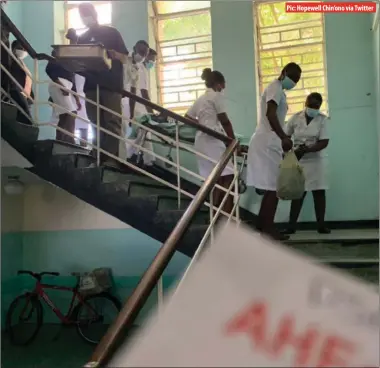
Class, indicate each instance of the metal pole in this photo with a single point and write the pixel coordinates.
(150, 278)
(178, 163)
(97, 126)
(237, 195)
(160, 293)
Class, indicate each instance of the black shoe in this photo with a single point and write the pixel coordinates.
(288, 231)
(324, 230)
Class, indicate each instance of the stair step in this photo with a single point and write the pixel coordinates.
(84, 178)
(52, 147)
(110, 176)
(170, 202)
(192, 239)
(169, 219)
(338, 251)
(118, 191)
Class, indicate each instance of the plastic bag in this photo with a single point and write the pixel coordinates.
(291, 180)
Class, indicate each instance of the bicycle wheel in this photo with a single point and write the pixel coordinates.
(95, 315)
(24, 319)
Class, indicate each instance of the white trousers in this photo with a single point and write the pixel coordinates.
(64, 102)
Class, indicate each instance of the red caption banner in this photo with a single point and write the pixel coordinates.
(330, 7)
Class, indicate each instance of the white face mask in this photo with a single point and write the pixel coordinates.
(21, 54)
(138, 58)
(89, 21)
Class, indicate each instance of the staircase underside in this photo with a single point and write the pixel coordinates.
(138, 200)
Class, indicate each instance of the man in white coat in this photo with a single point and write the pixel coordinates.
(308, 131)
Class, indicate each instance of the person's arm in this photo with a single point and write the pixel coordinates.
(52, 74)
(145, 95)
(273, 119)
(323, 140)
(290, 126)
(132, 103)
(220, 107)
(119, 51)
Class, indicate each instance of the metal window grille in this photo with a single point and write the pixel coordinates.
(283, 37)
(183, 37)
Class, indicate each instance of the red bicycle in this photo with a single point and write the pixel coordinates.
(85, 314)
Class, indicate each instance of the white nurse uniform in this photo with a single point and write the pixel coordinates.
(314, 163)
(206, 110)
(265, 151)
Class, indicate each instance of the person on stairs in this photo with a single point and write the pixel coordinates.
(268, 144)
(210, 110)
(80, 125)
(24, 97)
(110, 82)
(309, 133)
(140, 110)
(132, 71)
(62, 82)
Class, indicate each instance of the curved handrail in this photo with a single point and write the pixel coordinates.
(7, 22)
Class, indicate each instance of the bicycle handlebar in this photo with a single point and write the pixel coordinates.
(37, 276)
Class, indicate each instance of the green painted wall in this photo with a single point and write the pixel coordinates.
(352, 94)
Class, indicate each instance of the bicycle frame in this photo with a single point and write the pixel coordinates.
(40, 291)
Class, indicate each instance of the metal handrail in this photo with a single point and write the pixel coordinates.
(41, 56)
(151, 276)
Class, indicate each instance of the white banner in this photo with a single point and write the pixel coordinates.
(251, 303)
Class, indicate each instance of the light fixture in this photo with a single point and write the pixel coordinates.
(14, 186)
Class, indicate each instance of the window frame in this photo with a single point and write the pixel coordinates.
(258, 51)
(69, 6)
(155, 19)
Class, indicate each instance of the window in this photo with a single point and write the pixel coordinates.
(291, 37)
(103, 8)
(184, 47)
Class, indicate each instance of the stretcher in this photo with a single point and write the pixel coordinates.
(167, 126)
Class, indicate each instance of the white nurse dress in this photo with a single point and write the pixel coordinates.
(315, 163)
(265, 151)
(206, 109)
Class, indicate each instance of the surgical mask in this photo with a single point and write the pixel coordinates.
(287, 83)
(312, 113)
(138, 58)
(89, 21)
(21, 54)
(149, 65)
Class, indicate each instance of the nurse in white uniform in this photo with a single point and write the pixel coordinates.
(309, 133)
(210, 110)
(268, 144)
(140, 110)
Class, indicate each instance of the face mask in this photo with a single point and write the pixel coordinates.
(149, 65)
(138, 58)
(21, 54)
(88, 21)
(287, 83)
(312, 112)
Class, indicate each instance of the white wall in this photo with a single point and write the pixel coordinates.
(12, 212)
(49, 208)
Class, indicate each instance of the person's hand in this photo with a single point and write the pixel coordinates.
(114, 55)
(64, 92)
(286, 144)
(79, 105)
(300, 151)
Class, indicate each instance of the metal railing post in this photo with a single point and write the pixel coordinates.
(36, 95)
(178, 163)
(212, 214)
(97, 126)
(236, 169)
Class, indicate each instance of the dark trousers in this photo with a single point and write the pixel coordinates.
(112, 101)
(23, 103)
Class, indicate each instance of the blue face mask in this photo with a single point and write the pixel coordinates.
(312, 113)
(149, 65)
(287, 83)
